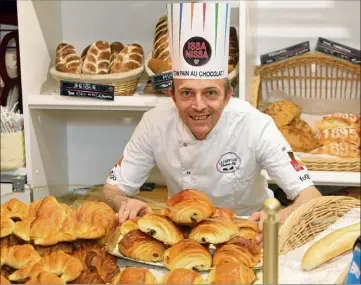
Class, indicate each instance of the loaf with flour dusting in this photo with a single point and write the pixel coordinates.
(67, 59)
(97, 59)
(131, 57)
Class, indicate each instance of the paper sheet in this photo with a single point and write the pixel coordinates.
(290, 264)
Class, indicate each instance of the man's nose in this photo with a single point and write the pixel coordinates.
(199, 103)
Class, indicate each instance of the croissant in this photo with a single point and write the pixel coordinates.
(88, 277)
(140, 246)
(160, 228)
(47, 250)
(14, 209)
(240, 250)
(105, 266)
(129, 225)
(183, 276)
(187, 254)
(18, 257)
(246, 228)
(134, 275)
(45, 278)
(189, 207)
(3, 280)
(7, 226)
(10, 241)
(223, 213)
(231, 273)
(216, 231)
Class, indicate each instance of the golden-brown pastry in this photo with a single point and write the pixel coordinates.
(216, 231)
(161, 41)
(3, 280)
(240, 250)
(140, 246)
(14, 209)
(134, 275)
(339, 120)
(129, 225)
(47, 250)
(7, 226)
(231, 273)
(45, 278)
(328, 136)
(189, 207)
(299, 140)
(10, 241)
(131, 57)
(88, 277)
(160, 228)
(283, 112)
(300, 125)
(182, 276)
(223, 213)
(115, 49)
(106, 266)
(187, 254)
(67, 59)
(246, 228)
(97, 59)
(159, 66)
(339, 149)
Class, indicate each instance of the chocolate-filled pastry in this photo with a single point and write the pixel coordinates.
(183, 276)
(160, 228)
(216, 231)
(240, 250)
(129, 225)
(223, 213)
(231, 273)
(189, 207)
(246, 228)
(140, 246)
(187, 254)
(134, 275)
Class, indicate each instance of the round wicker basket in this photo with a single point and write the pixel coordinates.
(310, 219)
(125, 83)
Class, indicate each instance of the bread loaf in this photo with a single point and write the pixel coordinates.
(283, 112)
(339, 149)
(298, 139)
(330, 246)
(159, 66)
(67, 59)
(97, 59)
(328, 136)
(131, 57)
(115, 49)
(161, 41)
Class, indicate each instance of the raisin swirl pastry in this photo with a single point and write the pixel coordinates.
(140, 246)
(160, 228)
(187, 254)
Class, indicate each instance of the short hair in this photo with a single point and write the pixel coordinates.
(228, 86)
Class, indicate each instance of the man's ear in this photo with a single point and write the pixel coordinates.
(229, 94)
(171, 94)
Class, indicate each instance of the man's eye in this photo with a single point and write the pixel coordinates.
(186, 93)
(211, 93)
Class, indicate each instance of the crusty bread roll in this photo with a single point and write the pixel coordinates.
(97, 59)
(298, 139)
(134, 275)
(159, 66)
(339, 149)
(129, 225)
(161, 41)
(330, 246)
(183, 276)
(216, 231)
(246, 228)
(189, 207)
(140, 246)
(67, 59)
(283, 112)
(241, 250)
(231, 273)
(328, 136)
(131, 57)
(223, 213)
(301, 125)
(187, 254)
(160, 228)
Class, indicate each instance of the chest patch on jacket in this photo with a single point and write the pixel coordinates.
(228, 163)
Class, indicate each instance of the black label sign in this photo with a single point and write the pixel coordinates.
(285, 53)
(197, 51)
(82, 89)
(162, 81)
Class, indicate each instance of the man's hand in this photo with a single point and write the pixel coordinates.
(131, 208)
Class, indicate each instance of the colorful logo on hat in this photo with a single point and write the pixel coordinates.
(197, 51)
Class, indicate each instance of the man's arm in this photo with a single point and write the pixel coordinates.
(112, 196)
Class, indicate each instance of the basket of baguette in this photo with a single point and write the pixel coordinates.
(316, 241)
(103, 63)
(159, 60)
(314, 100)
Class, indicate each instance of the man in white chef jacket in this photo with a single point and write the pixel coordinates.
(204, 139)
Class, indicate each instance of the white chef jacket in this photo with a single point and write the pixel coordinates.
(226, 166)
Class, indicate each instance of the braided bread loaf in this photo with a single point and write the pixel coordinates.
(97, 59)
(161, 41)
(67, 59)
(131, 57)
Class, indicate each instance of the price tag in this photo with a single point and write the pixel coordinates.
(162, 81)
(90, 90)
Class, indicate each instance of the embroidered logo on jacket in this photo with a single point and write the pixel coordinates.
(228, 163)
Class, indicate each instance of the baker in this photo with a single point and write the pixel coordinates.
(204, 139)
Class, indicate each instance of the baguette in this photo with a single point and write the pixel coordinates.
(330, 246)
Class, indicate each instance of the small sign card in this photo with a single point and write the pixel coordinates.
(162, 81)
(285, 53)
(90, 90)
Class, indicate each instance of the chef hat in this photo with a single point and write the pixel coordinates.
(199, 39)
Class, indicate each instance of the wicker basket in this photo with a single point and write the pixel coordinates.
(312, 76)
(125, 83)
(312, 218)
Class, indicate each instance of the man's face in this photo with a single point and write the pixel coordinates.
(200, 103)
